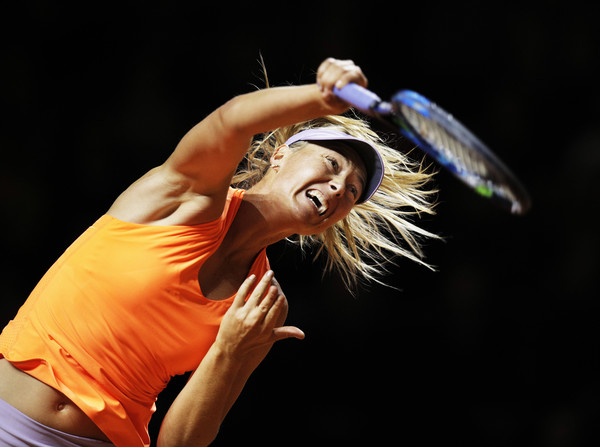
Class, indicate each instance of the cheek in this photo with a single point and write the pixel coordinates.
(300, 172)
(343, 210)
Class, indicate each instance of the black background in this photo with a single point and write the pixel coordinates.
(498, 347)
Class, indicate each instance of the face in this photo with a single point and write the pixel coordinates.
(320, 184)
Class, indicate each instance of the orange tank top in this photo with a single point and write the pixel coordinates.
(118, 315)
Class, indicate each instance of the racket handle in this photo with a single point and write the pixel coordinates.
(361, 98)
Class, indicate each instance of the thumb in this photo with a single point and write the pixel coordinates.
(284, 332)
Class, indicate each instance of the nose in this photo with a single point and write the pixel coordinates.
(337, 187)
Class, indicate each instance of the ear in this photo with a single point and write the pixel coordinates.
(278, 155)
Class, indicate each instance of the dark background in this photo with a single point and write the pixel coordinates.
(498, 347)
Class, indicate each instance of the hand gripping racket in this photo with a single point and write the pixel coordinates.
(446, 140)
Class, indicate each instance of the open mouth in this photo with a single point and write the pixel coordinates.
(318, 200)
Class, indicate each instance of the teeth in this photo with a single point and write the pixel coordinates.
(318, 199)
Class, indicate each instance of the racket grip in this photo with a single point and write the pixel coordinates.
(361, 98)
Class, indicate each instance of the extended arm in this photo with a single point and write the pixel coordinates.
(198, 173)
(211, 150)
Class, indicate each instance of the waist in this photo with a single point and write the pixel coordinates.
(44, 404)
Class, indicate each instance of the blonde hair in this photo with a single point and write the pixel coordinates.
(361, 244)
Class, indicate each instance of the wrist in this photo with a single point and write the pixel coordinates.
(226, 354)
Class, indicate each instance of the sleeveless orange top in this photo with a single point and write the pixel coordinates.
(118, 315)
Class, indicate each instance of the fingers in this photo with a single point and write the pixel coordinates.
(265, 308)
(284, 332)
(262, 298)
(271, 310)
(337, 73)
(259, 291)
(243, 291)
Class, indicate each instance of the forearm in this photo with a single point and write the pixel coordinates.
(246, 369)
(196, 414)
(263, 110)
(268, 109)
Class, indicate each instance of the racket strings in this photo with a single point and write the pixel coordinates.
(450, 148)
(458, 156)
(452, 145)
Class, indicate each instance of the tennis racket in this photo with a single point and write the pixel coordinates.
(446, 140)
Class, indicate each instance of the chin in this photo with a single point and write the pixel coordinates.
(317, 229)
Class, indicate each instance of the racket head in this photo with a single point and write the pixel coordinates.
(458, 150)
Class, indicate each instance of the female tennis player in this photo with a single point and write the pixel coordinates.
(174, 277)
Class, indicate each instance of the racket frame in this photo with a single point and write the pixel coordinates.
(499, 184)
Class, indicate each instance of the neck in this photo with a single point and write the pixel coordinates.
(257, 224)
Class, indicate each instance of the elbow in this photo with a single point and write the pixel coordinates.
(233, 120)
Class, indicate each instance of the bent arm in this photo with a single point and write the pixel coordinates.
(210, 152)
(195, 178)
(191, 186)
(247, 332)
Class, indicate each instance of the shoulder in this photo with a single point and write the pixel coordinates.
(163, 198)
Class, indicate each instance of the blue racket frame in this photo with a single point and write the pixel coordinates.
(497, 183)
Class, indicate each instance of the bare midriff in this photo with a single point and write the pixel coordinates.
(44, 404)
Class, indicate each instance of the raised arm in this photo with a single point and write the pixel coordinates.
(210, 152)
(202, 165)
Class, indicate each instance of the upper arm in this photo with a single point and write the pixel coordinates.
(191, 186)
(207, 156)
